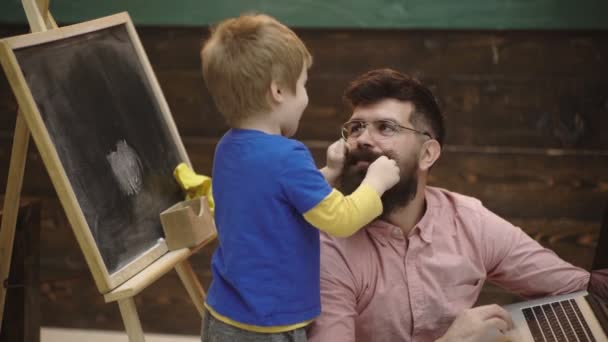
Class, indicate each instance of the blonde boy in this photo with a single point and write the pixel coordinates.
(271, 200)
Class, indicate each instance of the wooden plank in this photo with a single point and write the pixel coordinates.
(128, 311)
(31, 263)
(529, 186)
(22, 310)
(534, 185)
(552, 113)
(192, 285)
(501, 88)
(36, 13)
(8, 105)
(37, 180)
(150, 274)
(434, 54)
(164, 307)
(11, 199)
(427, 54)
(64, 32)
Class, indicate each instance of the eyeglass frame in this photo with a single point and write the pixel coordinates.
(367, 123)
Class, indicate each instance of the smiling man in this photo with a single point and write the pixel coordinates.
(410, 274)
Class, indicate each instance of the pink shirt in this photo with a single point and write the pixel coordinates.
(380, 286)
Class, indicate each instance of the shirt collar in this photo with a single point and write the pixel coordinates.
(424, 227)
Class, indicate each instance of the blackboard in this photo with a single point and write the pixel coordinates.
(110, 141)
(384, 14)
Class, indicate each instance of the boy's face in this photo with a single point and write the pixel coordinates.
(294, 105)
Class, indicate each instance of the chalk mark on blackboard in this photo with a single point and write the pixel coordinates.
(127, 168)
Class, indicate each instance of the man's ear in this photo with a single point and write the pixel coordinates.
(275, 92)
(431, 150)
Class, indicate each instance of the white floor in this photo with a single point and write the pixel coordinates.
(48, 334)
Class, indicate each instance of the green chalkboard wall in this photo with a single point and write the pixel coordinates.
(423, 14)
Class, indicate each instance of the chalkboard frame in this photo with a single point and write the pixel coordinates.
(104, 280)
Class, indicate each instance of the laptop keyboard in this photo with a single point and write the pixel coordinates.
(557, 322)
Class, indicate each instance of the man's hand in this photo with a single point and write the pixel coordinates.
(336, 154)
(486, 323)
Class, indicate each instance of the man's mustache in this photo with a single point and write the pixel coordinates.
(355, 156)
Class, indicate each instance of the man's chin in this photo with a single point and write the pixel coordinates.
(352, 178)
(396, 197)
(360, 167)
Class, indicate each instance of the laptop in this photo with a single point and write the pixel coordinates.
(580, 316)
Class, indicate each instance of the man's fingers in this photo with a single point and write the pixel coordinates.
(494, 330)
(496, 323)
(487, 312)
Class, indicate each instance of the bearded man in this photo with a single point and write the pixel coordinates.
(420, 267)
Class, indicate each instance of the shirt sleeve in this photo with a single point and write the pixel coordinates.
(520, 264)
(342, 216)
(338, 298)
(302, 184)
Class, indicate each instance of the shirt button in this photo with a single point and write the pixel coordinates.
(397, 233)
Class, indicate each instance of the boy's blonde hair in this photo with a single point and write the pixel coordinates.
(241, 59)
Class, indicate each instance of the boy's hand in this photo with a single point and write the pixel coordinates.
(336, 154)
(382, 174)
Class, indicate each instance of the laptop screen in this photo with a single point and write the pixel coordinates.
(598, 285)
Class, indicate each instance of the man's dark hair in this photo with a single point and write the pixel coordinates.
(380, 84)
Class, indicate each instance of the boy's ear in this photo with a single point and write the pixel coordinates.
(275, 92)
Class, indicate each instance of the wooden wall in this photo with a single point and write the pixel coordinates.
(527, 116)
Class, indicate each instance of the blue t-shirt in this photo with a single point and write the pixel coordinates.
(266, 267)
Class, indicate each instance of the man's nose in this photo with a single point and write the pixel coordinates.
(366, 138)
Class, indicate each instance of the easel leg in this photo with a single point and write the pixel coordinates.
(11, 202)
(192, 285)
(128, 311)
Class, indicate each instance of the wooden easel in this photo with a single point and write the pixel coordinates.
(40, 19)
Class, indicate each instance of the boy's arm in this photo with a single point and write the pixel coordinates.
(330, 175)
(302, 185)
(342, 216)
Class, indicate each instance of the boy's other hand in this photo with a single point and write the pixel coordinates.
(336, 154)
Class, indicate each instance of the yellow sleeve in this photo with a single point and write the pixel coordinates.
(342, 216)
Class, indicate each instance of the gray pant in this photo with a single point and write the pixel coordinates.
(218, 331)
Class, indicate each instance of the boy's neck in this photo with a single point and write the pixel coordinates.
(264, 123)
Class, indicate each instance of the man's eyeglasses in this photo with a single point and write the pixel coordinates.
(378, 129)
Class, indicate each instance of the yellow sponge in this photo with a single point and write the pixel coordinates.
(193, 184)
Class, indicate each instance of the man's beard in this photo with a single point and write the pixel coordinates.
(400, 195)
